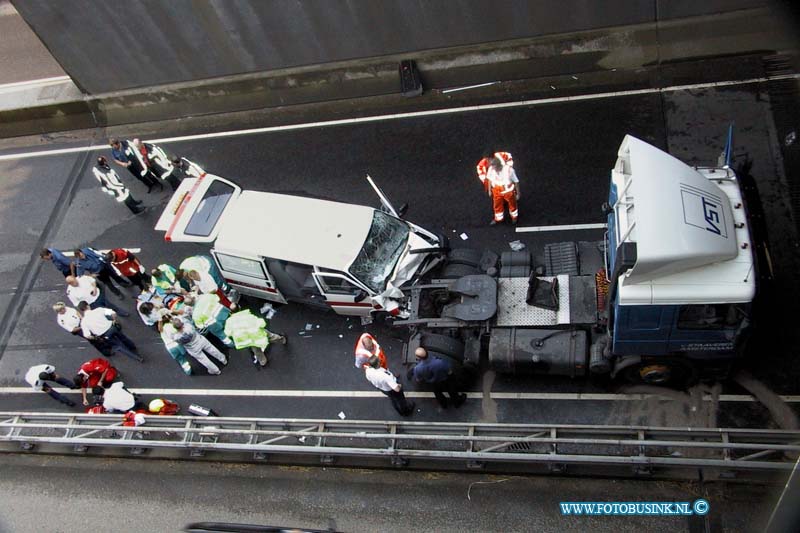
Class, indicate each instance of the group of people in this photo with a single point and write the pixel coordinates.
(183, 305)
(147, 162)
(440, 372)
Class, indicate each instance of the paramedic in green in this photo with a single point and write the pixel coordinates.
(250, 331)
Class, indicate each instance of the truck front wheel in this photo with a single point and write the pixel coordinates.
(665, 373)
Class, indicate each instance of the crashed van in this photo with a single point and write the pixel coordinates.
(284, 248)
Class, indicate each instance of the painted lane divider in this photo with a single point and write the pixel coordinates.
(413, 114)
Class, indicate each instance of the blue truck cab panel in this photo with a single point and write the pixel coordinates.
(678, 257)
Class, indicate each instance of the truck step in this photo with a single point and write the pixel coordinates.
(562, 258)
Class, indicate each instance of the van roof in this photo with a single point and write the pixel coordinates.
(296, 229)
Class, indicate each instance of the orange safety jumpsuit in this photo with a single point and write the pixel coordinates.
(363, 355)
(504, 192)
(483, 167)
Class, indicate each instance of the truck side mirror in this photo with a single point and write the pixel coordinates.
(606, 209)
(402, 211)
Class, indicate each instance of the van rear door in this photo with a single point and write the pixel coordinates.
(196, 210)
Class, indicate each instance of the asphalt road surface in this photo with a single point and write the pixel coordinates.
(563, 154)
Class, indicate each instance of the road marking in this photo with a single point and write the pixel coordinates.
(413, 114)
(577, 396)
(455, 90)
(567, 227)
(34, 83)
(104, 251)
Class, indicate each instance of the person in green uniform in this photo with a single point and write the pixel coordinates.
(209, 316)
(250, 331)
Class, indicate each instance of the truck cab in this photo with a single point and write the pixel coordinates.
(284, 248)
(680, 263)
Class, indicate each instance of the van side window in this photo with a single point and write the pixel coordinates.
(337, 285)
(707, 316)
(241, 265)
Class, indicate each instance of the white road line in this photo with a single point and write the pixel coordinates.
(466, 87)
(574, 396)
(532, 229)
(35, 83)
(395, 116)
(104, 251)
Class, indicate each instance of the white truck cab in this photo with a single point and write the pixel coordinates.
(283, 248)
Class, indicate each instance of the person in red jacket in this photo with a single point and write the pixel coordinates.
(128, 265)
(94, 373)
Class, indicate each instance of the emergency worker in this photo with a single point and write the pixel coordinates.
(205, 284)
(111, 184)
(162, 278)
(126, 155)
(202, 263)
(128, 265)
(504, 190)
(209, 316)
(366, 347)
(174, 349)
(197, 346)
(250, 331)
(162, 406)
(94, 373)
(483, 167)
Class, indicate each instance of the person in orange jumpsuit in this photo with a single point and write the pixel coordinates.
(503, 189)
(366, 347)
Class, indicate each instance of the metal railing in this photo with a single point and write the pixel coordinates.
(471, 445)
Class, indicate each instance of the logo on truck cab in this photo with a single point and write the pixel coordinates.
(703, 210)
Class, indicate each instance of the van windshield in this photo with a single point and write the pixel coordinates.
(385, 242)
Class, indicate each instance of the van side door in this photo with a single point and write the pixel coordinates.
(342, 294)
(248, 275)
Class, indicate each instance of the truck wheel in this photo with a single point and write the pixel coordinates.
(455, 271)
(665, 373)
(434, 342)
(465, 256)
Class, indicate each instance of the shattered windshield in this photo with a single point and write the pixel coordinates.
(385, 242)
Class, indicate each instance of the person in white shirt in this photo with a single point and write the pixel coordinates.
(70, 320)
(386, 382)
(116, 398)
(38, 377)
(101, 323)
(85, 289)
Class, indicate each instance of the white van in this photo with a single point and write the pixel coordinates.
(284, 248)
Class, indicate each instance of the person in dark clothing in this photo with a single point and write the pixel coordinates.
(126, 155)
(61, 261)
(439, 373)
(89, 261)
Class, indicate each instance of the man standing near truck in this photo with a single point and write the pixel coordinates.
(496, 172)
(440, 374)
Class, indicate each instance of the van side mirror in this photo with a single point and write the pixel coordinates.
(402, 211)
(360, 296)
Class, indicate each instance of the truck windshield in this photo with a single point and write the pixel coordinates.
(209, 210)
(385, 242)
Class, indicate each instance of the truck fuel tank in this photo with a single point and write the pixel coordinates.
(561, 352)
